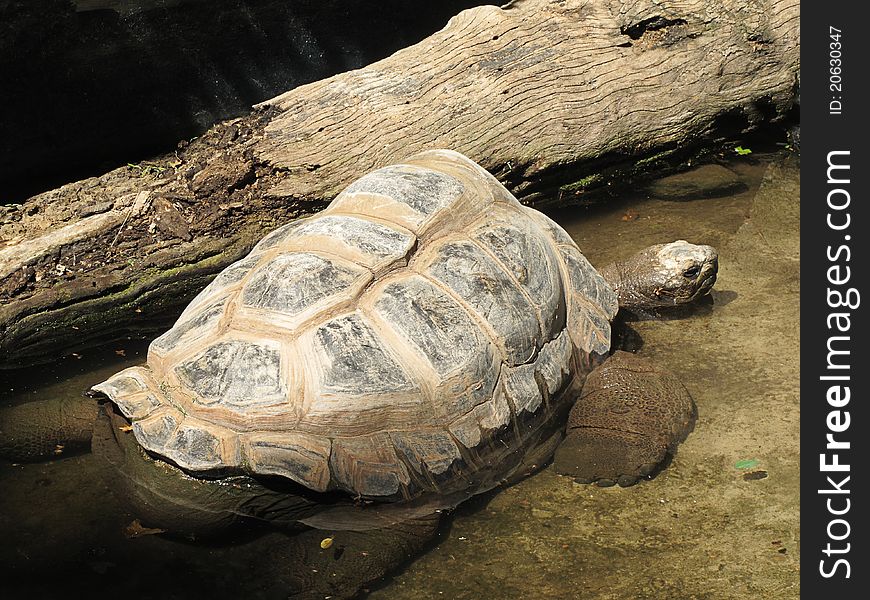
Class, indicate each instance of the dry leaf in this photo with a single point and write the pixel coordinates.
(136, 529)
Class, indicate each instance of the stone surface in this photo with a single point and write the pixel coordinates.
(706, 181)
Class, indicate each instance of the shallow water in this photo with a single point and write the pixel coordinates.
(720, 522)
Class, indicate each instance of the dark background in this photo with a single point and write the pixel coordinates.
(88, 85)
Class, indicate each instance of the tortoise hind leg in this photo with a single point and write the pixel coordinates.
(44, 429)
(629, 420)
(353, 560)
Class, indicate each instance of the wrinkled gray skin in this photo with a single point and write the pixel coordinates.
(628, 420)
(663, 275)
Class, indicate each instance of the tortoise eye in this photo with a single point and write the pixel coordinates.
(692, 271)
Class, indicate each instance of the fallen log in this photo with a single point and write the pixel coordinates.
(555, 98)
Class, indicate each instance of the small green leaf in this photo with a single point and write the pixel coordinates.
(742, 151)
(746, 463)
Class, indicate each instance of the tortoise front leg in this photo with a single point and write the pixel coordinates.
(630, 418)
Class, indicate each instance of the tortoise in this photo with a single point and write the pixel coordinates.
(423, 339)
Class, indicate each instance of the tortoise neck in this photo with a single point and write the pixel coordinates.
(622, 277)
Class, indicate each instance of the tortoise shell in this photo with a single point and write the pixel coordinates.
(404, 340)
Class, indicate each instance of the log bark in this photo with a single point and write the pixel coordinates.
(555, 98)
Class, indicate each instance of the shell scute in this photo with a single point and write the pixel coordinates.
(585, 280)
(559, 235)
(423, 190)
(236, 373)
(489, 291)
(302, 457)
(554, 363)
(522, 388)
(221, 284)
(190, 328)
(155, 430)
(484, 422)
(356, 361)
(525, 253)
(368, 466)
(430, 454)
(278, 236)
(300, 282)
(462, 360)
(434, 323)
(366, 242)
(131, 391)
(592, 305)
(194, 447)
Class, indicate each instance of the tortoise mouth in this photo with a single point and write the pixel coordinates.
(699, 287)
(706, 278)
(706, 285)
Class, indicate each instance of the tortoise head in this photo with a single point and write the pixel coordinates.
(664, 275)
